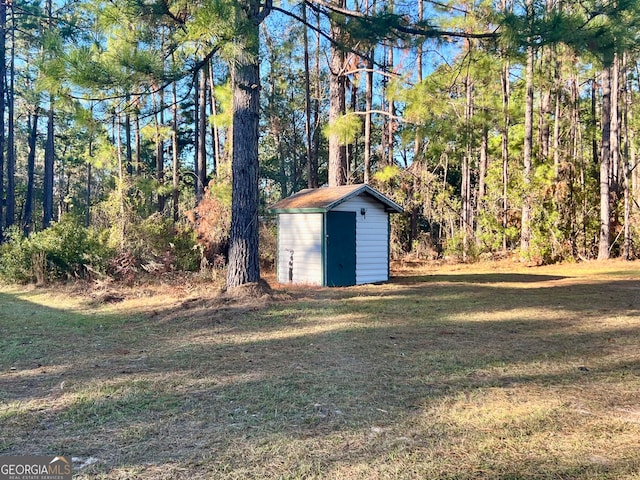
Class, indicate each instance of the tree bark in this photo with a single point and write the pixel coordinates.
(506, 120)
(202, 134)
(176, 159)
(160, 151)
(11, 149)
(244, 262)
(391, 106)
(87, 213)
(614, 167)
(138, 137)
(525, 229)
(482, 168)
(3, 54)
(467, 208)
(312, 167)
(49, 153)
(417, 143)
(27, 224)
(627, 102)
(605, 164)
(337, 106)
(214, 128)
(316, 102)
(127, 137)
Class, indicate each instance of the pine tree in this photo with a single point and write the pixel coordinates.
(244, 263)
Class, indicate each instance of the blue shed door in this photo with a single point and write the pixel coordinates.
(341, 249)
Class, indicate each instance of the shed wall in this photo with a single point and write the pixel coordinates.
(372, 239)
(300, 244)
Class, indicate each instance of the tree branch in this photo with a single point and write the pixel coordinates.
(406, 28)
(380, 112)
(341, 45)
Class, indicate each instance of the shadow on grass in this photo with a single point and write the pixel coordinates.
(478, 278)
(314, 385)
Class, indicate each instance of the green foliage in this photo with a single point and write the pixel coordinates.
(66, 249)
(387, 174)
(457, 247)
(158, 244)
(346, 128)
(547, 242)
(147, 239)
(224, 96)
(15, 258)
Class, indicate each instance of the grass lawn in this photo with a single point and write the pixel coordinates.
(490, 371)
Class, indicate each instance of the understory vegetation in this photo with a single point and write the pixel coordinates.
(123, 244)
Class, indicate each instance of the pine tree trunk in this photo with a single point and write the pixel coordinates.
(312, 168)
(506, 123)
(466, 163)
(11, 149)
(214, 128)
(544, 132)
(337, 106)
(121, 182)
(175, 197)
(244, 264)
(352, 148)
(506, 120)
(87, 213)
(605, 167)
(49, 150)
(3, 73)
(577, 154)
(525, 229)
(482, 170)
(316, 102)
(417, 143)
(138, 137)
(368, 119)
(127, 138)
(391, 107)
(160, 151)
(626, 160)
(197, 189)
(27, 224)
(614, 167)
(47, 202)
(202, 134)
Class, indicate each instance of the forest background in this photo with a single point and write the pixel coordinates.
(154, 134)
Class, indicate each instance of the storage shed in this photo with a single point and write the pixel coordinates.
(334, 236)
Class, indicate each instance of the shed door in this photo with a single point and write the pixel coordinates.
(341, 249)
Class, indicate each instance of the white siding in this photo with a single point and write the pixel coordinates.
(372, 239)
(300, 241)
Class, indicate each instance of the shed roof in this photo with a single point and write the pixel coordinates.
(326, 198)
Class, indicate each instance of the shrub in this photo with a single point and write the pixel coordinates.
(64, 250)
(157, 244)
(211, 221)
(15, 258)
